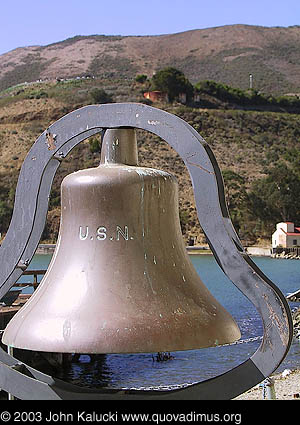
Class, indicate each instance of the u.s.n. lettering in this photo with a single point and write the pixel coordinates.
(102, 233)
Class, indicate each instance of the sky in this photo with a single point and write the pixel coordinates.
(41, 22)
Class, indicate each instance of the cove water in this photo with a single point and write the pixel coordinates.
(140, 371)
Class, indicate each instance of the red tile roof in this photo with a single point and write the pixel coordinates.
(296, 233)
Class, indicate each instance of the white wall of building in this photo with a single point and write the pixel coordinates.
(281, 238)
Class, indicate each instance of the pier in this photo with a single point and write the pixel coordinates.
(288, 253)
(8, 311)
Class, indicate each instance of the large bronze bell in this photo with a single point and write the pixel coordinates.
(120, 280)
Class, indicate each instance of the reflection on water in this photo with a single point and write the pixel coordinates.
(140, 370)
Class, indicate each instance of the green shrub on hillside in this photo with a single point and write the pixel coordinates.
(141, 78)
(37, 94)
(230, 94)
(173, 82)
(5, 216)
(275, 198)
(94, 144)
(100, 96)
(236, 197)
(244, 97)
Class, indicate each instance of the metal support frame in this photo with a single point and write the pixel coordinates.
(28, 221)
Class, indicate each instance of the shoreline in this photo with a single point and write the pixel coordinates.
(197, 249)
(48, 248)
(45, 248)
(286, 387)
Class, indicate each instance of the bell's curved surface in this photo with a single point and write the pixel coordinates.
(120, 280)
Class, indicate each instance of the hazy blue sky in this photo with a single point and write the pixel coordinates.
(31, 22)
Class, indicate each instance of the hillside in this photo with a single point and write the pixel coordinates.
(225, 54)
(246, 144)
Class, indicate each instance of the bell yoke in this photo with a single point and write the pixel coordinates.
(120, 279)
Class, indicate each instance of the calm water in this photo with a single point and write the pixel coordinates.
(139, 370)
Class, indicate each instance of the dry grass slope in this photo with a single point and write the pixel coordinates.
(226, 54)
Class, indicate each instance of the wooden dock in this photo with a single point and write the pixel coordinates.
(8, 311)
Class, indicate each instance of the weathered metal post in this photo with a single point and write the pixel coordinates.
(269, 389)
(10, 352)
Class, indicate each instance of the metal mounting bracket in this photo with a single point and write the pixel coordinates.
(28, 221)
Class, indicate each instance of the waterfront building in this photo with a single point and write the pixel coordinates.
(286, 236)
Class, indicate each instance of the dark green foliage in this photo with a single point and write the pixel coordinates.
(245, 97)
(184, 217)
(5, 216)
(37, 94)
(275, 197)
(231, 94)
(146, 101)
(6, 203)
(292, 155)
(100, 96)
(94, 144)
(141, 78)
(236, 198)
(173, 82)
(54, 198)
